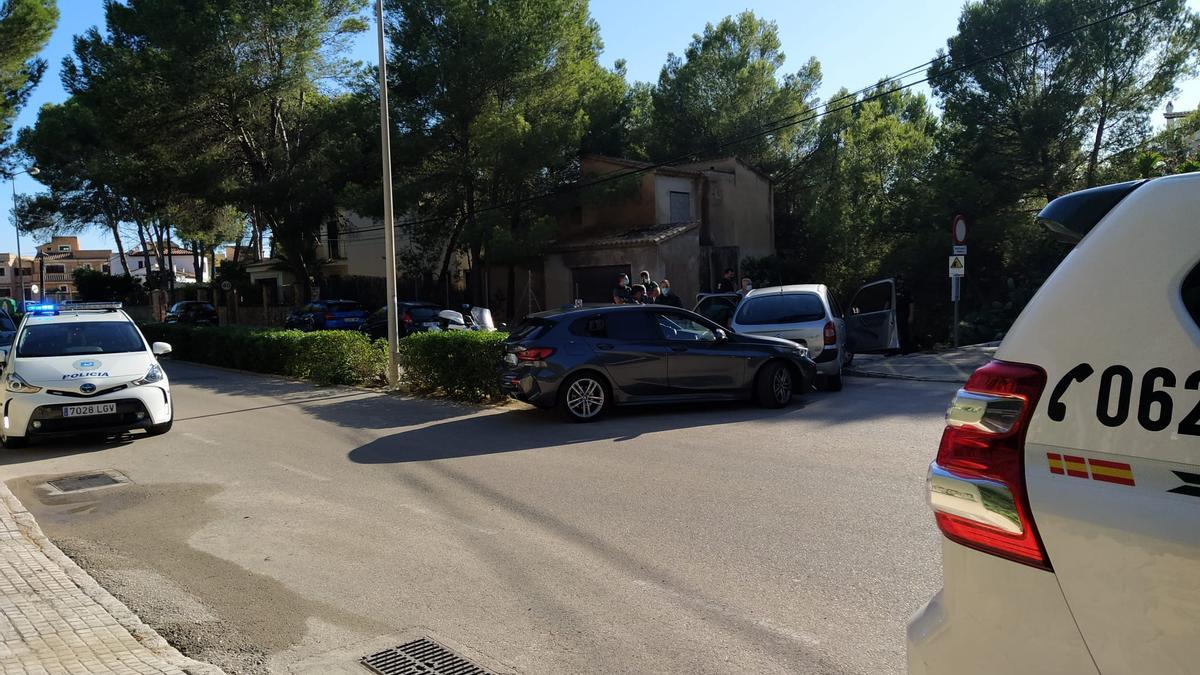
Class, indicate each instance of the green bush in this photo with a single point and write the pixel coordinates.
(461, 365)
(327, 357)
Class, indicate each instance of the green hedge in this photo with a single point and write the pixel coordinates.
(461, 365)
(328, 357)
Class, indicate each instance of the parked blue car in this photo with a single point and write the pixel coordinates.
(327, 315)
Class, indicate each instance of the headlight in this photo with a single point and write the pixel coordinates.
(155, 374)
(16, 384)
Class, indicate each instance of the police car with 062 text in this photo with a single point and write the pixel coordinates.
(82, 368)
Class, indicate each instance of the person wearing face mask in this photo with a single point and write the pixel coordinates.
(665, 296)
(621, 293)
(747, 286)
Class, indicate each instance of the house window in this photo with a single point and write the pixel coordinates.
(681, 207)
(142, 263)
(106, 269)
(56, 269)
(332, 241)
(3, 272)
(64, 248)
(62, 289)
(5, 292)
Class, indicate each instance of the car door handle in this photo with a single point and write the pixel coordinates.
(679, 349)
(604, 346)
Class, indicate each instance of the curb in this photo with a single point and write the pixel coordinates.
(896, 376)
(145, 635)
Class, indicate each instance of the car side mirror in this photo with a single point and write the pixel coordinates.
(722, 336)
(160, 348)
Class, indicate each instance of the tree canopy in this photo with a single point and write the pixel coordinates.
(25, 27)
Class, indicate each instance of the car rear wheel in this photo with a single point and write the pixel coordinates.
(775, 385)
(830, 382)
(584, 398)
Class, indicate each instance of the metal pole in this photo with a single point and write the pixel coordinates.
(389, 234)
(17, 231)
(957, 282)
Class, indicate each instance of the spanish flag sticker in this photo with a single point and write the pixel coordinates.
(1096, 469)
(1111, 472)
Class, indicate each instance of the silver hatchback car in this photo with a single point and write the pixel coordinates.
(804, 313)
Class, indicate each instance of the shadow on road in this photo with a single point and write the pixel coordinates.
(527, 428)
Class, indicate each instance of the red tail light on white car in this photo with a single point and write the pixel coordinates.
(977, 484)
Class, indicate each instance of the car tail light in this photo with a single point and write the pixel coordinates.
(830, 333)
(977, 484)
(534, 353)
(329, 316)
(406, 318)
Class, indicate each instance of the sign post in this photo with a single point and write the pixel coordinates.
(958, 264)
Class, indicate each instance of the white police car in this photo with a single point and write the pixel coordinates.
(1067, 483)
(82, 368)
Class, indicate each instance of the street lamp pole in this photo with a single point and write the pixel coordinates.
(389, 233)
(12, 179)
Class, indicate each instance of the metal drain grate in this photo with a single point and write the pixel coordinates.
(84, 482)
(421, 657)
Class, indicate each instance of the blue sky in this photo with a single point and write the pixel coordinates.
(856, 41)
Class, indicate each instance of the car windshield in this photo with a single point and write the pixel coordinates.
(423, 312)
(773, 309)
(90, 337)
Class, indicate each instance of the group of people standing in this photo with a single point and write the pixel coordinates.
(646, 292)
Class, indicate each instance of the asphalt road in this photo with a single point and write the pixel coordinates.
(286, 528)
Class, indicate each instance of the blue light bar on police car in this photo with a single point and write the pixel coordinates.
(70, 304)
(41, 308)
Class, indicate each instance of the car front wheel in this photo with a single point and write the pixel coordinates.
(14, 442)
(775, 385)
(584, 398)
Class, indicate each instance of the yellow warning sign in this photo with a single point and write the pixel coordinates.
(958, 265)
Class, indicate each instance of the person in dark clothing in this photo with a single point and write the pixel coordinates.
(621, 291)
(647, 281)
(665, 296)
(637, 295)
(904, 316)
(727, 283)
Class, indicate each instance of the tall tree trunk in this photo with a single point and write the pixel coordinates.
(113, 226)
(170, 264)
(198, 262)
(141, 228)
(1094, 155)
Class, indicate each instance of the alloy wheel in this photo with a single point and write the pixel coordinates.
(781, 385)
(585, 398)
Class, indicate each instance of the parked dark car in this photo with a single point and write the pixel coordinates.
(8, 330)
(415, 316)
(585, 360)
(192, 312)
(327, 315)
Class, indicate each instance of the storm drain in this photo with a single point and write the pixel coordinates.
(87, 481)
(421, 657)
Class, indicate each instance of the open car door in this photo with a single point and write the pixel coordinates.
(718, 307)
(871, 321)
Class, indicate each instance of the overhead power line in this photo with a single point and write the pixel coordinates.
(790, 120)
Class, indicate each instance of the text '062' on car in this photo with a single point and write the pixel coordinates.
(584, 360)
(1067, 482)
(82, 368)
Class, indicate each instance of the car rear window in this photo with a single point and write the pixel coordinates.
(69, 339)
(419, 313)
(531, 329)
(344, 307)
(787, 308)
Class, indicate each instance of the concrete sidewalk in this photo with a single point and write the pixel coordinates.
(954, 365)
(54, 618)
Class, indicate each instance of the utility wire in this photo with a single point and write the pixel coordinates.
(785, 122)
